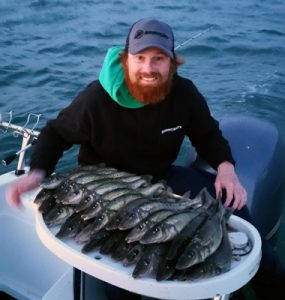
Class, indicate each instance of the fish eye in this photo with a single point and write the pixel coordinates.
(155, 230)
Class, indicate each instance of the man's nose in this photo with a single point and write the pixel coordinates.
(148, 66)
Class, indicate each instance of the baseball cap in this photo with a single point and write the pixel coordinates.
(148, 33)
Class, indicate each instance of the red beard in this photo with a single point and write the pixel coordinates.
(148, 94)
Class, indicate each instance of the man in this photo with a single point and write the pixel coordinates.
(135, 118)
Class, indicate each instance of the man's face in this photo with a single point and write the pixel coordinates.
(148, 75)
(149, 67)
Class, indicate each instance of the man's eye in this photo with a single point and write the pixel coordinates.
(159, 58)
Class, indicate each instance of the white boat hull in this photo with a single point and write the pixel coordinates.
(28, 270)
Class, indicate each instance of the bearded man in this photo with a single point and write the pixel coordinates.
(135, 118)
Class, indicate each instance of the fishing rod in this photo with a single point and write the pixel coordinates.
(7, 160)
(193, 38)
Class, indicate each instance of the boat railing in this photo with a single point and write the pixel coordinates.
(29, 136)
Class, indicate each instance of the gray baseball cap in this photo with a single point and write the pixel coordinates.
(148, 33)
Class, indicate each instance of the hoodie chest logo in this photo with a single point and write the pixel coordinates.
(171, 129)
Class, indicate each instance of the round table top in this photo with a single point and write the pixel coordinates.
(108, 270)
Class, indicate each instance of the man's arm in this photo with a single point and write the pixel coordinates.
(24, 184)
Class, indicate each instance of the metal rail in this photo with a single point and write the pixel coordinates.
(26, 133)
(19, 129)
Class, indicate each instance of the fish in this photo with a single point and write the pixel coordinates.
(53, 181)
(83, 175)
(205, 241)
(116, 219)
(96, 241)
(99, 220)
(47, 205)
(168, 228)
(56, 179)
(112, 242)
(182, 239)
(166, 268)
(137, 222)
(104, 216)
(84, 235)
(137, 232)
(73, 225)
(97, 203)
(138, 213)
(119, 252)
(86, 202)
(99, 187)
(134, 254)
(58, 215)
(109, 208)
(217, 263)
(43, 195)
(147, 264)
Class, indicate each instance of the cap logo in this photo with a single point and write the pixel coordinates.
(139, 34)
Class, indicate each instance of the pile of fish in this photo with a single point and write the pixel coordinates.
(139, 223)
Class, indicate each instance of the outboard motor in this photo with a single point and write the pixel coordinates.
(260, 164)
(259, 153)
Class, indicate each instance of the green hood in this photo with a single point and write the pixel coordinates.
(112, 78)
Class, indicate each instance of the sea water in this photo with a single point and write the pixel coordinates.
(50, 50)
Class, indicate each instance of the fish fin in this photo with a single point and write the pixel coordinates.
(228, 212)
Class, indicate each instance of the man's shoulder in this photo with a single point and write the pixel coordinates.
(94, 86)
(184, 85)
(91, 92)
(183, 81)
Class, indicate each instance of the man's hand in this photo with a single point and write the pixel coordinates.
(227, 180)
(24, 184)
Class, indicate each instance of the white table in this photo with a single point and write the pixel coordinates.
(104, 268)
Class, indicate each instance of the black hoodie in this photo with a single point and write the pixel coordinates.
(143, 140)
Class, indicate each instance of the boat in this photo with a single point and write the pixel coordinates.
(30, 271)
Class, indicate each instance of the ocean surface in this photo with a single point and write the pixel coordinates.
(50, 50)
